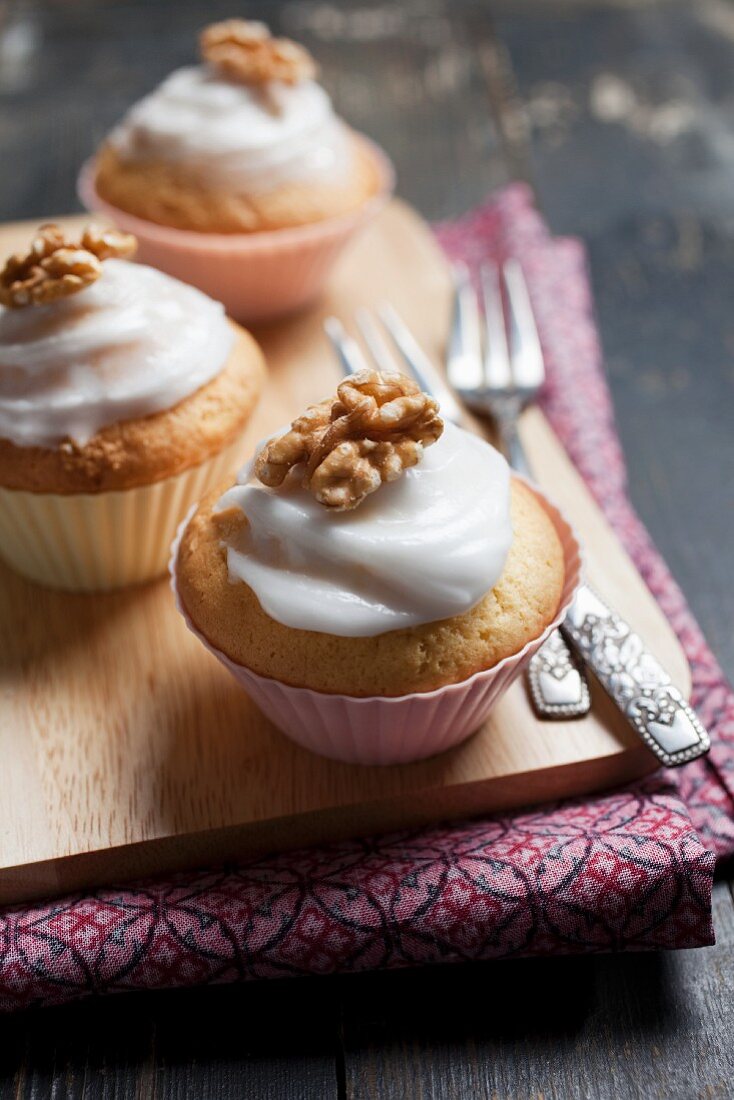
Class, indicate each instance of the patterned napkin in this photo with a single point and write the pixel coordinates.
(628, 870)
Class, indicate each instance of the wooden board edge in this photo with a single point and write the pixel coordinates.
(239, 843)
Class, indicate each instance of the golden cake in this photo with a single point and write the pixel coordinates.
(129, 453)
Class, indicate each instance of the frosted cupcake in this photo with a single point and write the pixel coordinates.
(369, 557)
(237, 175)
(123, 397)
(246, 141)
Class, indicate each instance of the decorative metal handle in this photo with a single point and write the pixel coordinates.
(639, 686)
(557, 682)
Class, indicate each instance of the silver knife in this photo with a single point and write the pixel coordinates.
(634, 679)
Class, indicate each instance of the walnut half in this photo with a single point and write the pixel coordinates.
(376, 427)
(55, 266)
(245, 52)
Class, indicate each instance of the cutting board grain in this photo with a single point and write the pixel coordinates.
(127, 749)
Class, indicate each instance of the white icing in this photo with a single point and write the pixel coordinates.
(422, 548)
(130, 344)
(235, 136)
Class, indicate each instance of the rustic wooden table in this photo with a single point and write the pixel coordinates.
(621, 116)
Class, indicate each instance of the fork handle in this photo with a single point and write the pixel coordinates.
(513, 448)
(556, 680)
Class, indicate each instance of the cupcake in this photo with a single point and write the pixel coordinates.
(123, 397)
(375, 577)
(244, 156)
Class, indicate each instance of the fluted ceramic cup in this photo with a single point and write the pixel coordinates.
(399, 729)
(257, 276)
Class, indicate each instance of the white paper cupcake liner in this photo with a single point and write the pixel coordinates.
(96, 541)
(400, 729)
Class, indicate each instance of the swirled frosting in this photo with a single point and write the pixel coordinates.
(133, 343)
(422, 548)
(236, 136)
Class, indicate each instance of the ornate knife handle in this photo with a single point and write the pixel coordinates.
(639, 686)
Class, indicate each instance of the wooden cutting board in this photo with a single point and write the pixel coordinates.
(127, 749)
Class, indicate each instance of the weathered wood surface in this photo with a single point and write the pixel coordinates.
(620, 113)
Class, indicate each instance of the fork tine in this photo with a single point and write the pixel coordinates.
(374, 340)
(527, 356)
(464, 351)
(418, 363)
(348, 351)
(496, 362)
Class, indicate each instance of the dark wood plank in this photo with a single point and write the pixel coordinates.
(273, 1039)
(411, 75)
(608, 1028)
(630, 141)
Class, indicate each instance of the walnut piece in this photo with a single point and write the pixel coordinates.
(376, 427)
(246, 52)
(107, 243)
(56, 266)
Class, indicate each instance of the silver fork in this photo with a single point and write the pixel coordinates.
(501, 380)
(638, 686)
(352, 358)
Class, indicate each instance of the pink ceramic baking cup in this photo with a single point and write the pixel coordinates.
(257, 276)
(402, 729)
